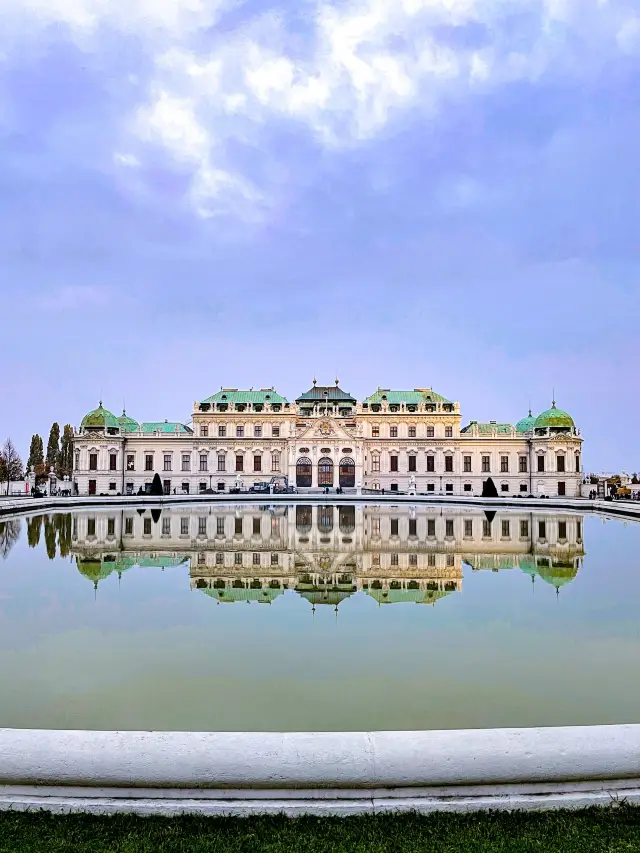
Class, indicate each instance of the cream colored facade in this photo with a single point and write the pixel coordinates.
(393, 440)
(326, 552)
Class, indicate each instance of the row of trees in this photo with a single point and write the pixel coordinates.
(59, 452)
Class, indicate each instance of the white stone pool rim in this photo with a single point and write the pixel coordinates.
(321, 773)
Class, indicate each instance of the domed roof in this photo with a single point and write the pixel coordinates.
(127, 424)
(554, 418)
(526, 424)
(100, 418)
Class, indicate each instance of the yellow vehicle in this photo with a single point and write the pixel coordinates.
(623, 492)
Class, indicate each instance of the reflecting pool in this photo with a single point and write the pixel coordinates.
(304, 617)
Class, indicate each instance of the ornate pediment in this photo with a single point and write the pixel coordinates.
(325, 428)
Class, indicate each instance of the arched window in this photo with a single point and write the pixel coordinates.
(347, 473)
(303, 520)
(325, 471)
(347, 519)
(303, 472)
(325, 518)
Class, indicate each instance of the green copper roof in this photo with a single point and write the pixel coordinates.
(526, 424)
(556, 574)
(165, 427)
(100, 418)
(418, 395)
(553, 418)
(487, 429)
(127, 424)
(234, 395)
(331, 393)
(406, 596)
(264, 596)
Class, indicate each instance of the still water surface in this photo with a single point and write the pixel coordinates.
(318, 618)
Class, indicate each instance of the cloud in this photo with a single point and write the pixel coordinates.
(218, 82)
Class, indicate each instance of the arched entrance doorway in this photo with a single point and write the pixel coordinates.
(347, 473)
(325, 471)
(303, 472)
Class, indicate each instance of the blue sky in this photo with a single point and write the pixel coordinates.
(408, 193)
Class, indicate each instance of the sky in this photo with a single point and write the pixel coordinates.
(397, 193)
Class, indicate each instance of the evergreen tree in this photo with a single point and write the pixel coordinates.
(53, 447)
(50, 536)
(156, 486)
(10, 464)
(34, 528)
(36, 455)
(65, 460)
(489, 489)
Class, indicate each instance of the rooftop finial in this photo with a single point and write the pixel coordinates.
(314, 381)
(337, 381)
(553, 401)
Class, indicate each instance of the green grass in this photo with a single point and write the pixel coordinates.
(610, 830)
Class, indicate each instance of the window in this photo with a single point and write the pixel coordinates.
(219, 559)
(131, 462)
(256, 526)
(394, 526)
(202, 487)
(91, 527)
(431, 560)
(275, 432)
(431, 527)
(468, 528)
(542, 530)
(239, 432)
(467, 487)
(375, 525)
(394, 487)
(238, 526)
(166, 526)
(202, 526)
(257, 432)
(466, 464)
(185, 488)
(486, 529)
(522, 464)
(450, 560)
(486, 464)
(412, 463)
(506, 529)
(375, 463)
(184, 526)
(504, 464)
(413, 559)
(449, 487)
(577, 463)
(203, 462)
(541, 464)
(431, 487)
(562, 530)
(448, 527)
(578, 530)
(562, 488)
(504, 487)
(128, 527)
(93, 461)
(448, 432)
(523, 487)
(167, 462)
(111, 527)
(448, 463)
(524, 529)
(239, 462)
(113, 462)
(112, 487)
(394, 559)
(560, 463)
(237, 558)
(430, 432)
(431, 463)
(146, 529)
(275, 462)
(375, 432)
(92, 487)
(204, 431)
(412, 432)
(257, 463)
(220, 526)
(256, 559)
(186, 462)
(413, 527)
(148, 462)
(77, 465)
(222, 460)
(274, 560)
(222, 432)
(166, 487)
(393, 431)
(394, 463)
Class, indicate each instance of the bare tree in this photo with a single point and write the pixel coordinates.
(10, 463)
(9, 535)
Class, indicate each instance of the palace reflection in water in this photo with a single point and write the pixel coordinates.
(325, 553)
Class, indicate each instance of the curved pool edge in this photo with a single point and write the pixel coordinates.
(322, 773)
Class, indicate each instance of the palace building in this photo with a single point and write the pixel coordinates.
(393, 440)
